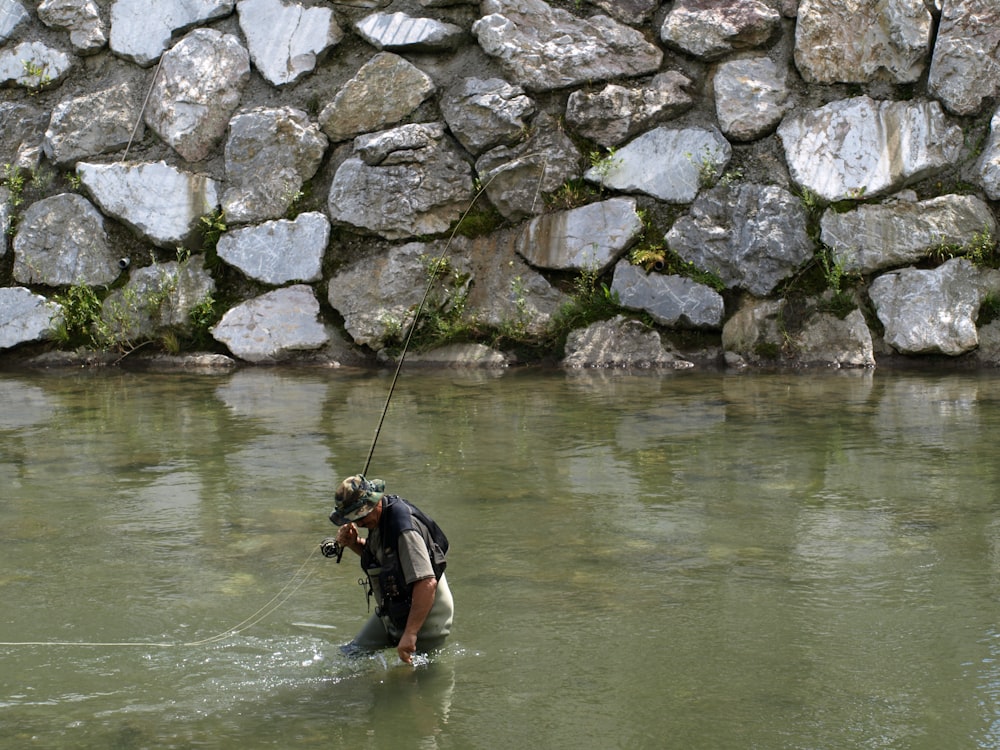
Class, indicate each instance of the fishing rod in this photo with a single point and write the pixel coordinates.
(330, 547)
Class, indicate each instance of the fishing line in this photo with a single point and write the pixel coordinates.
(293, 585)
(433, 273)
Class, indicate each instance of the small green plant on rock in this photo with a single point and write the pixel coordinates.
(989, 309)
(213, 225)
(35, 76)
(604, 163)
(13, 178)
(81, 309)
(203, 316)
(708, 167)
(982, 249)
(590, 301)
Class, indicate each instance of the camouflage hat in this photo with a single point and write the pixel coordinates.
(355, 498)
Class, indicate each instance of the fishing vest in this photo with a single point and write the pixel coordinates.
(398, 516)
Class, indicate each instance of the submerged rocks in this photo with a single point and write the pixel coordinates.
(619, 342)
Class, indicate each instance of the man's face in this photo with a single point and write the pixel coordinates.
(371, 520)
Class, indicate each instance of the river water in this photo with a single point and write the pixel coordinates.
(685, 560)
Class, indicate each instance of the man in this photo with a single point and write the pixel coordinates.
(403, 558)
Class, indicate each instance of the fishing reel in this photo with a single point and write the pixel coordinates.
(330, 547)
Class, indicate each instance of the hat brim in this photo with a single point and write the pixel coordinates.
(339, 519)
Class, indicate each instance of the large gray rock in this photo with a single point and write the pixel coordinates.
(33, 65)
(416, 161)
(12, 15)
(506, 293)
(619, 342)
(141, 29)
(25, 316)
(62, 241)
(198, 87)
(270, 154)
(385, 90)
(861, 148)
(674, 301)
(752, 236)
(965, 68)
(460, 355)
(273, 327)
(81, 18)
(515, 178)
(759, 333)
(929, 311)
(156, 299)
(616, 112)
(378, 295)
(989, 163)
(544, 48)
(93, 124)
(826, 339)
(277, 252)
(589, 238)
(877, 236)
(860, 42)
(632, 12)
(671, 164)
(751, 97)
(6, 212)
(483, 114)
(160, 202)
(287, 40)
(400, 31)
(22, 130)
(709, 29)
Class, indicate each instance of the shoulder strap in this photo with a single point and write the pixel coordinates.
(401, 515)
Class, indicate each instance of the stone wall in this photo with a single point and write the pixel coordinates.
(754, 182)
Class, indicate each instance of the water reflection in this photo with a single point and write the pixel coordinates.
(646, 560)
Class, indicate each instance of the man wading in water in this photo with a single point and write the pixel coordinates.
(403, 558)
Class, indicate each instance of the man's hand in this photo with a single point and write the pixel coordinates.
(347, 535)
(423, 599)
(407, 647)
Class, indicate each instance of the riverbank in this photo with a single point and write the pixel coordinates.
(588, 183)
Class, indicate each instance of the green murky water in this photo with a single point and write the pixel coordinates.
(683, 561)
